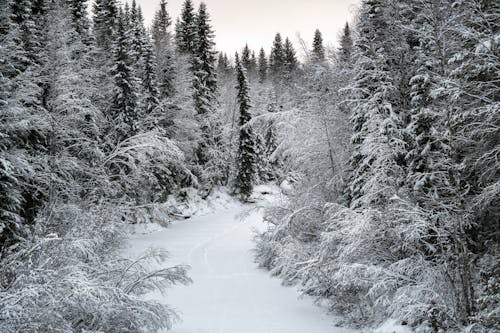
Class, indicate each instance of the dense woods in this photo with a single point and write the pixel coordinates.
(388, 145)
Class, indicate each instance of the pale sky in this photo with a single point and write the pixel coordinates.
(256, 21)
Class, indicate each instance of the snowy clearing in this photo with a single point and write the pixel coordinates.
(229, 294)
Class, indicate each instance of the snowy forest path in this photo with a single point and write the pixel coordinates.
(230, 294)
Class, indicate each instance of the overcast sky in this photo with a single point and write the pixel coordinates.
(256, 22)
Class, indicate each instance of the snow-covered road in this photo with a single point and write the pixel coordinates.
(230, 294)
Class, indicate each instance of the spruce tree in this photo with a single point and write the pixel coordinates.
(205, 81)
(318, 51)
(105, 22)
(246, 149)
(161, 24)
(186, 29)
(80, 21)
(263, 66)
(248, 60)
(164, 51)
(277, 56)
(290, 61)
(223, 65)
(346, 44)
(137, 36)
(205, 84)
(151, 94)
(124, 105)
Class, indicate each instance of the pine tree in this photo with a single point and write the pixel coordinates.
(164, 51)
(124, 106)
(161, 25)
(248, 60)
(253, 63)
(263, 66)
(186, 29)
(246, 150)
(223, 65)
(346, 44)
(105, 23)
(318, 51)
(290, 61)
(150, 93)
(277, 56)
(80, 21)
(137, 36)
(205, 82)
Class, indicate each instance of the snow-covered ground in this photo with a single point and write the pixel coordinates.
(229, 294)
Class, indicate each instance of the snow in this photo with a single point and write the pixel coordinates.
(230, 293)
(392, 326)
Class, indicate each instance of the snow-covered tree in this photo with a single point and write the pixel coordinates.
(277, 56)
(246, 158)
(124, 110)
(164, 51)
(186, 29)
(318, 50)
(262, 65)
(205, 81)
(346, 44)
(290, 61)
(105, 23)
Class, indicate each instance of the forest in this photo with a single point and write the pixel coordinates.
(388, 142)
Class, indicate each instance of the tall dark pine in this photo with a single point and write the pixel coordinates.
(262, 65)
(124, 105)
(161, 24)
(137, 35)
(164, 50)
(318, 51)
(81, 23)
(149, 82)
(248, 59)
(277, 57)
(346, 44)
(205, 81)
(105, 21)
(223, 65)
(246, 150)
(290, 58)
(185, 29)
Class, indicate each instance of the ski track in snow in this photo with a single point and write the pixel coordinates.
(230, 294)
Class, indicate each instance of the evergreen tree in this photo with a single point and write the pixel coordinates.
(246, 150)
(248, 60)
(223, 65)
(124, 114)
(253, 62)
(346, 44)
(105, 22)
(277, 56)
(205, 82)
(186, 29)
(263, 66)
(137, 37)
(318, 51)
(290, 61)
(164, 51)
(81, 23)
(150, 93)
(161, 25)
